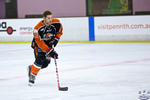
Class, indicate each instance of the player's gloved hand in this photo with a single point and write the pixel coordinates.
(54, 54)
(54, 41)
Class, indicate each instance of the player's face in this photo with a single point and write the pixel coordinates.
(48, 19)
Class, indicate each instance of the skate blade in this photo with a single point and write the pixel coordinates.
(31, 84)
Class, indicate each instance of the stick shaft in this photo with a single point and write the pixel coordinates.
(57, 75)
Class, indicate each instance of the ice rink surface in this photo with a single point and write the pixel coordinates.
(91, 71)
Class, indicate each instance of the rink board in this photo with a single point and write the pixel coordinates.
(75, 29)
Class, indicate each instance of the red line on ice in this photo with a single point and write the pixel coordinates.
(84, 68)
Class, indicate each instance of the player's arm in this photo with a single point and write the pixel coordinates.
(58, 35)
(59, 32)
(41, 44)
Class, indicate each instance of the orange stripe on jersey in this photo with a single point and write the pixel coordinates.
(58, 35)
(36, 51)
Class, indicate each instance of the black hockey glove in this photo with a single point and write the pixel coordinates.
(51, 53)
(54, 41)
(54, 54)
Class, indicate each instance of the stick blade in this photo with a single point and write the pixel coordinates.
(63, 88)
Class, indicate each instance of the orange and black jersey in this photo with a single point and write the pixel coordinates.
(44, 34)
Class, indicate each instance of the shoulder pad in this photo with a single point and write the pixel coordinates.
(55, 20)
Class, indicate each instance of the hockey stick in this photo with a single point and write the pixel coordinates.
(59, 87)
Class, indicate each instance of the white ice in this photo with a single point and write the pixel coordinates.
(91, 71)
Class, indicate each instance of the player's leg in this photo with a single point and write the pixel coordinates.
(32, 72)
(41, 61)
(46, 62)
(35, 68)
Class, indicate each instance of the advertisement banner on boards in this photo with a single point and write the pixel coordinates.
(17, 27)
(74, 29)
(122, 26)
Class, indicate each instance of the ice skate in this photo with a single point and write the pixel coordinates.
(31, 76)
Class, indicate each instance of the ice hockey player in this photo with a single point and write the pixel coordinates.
(46, 36)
